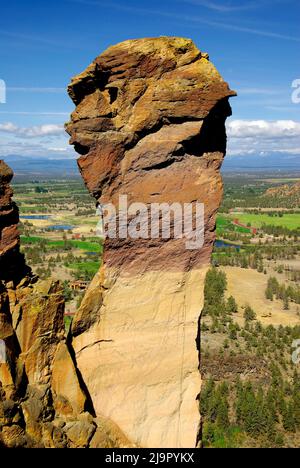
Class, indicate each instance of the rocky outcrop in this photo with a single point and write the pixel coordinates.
(285, 193)
(12, 263)
(42, 400)
(149, 123)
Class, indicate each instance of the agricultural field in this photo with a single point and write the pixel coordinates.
(58, 232)
(290, 221)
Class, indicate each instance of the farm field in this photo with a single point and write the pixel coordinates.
(290, 221)
(58, 233)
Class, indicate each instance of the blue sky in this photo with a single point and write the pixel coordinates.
(255, 44)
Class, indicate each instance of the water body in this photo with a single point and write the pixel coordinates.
(60, 227)
(38, 217)
(219, 244)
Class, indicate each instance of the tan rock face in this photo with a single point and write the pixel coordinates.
(140, 360)
(149, 123)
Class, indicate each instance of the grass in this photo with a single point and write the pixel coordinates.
(289, 221)
(31, 239)
(225, 224)
(232, 437)
(68, 323)
(82, 245)
(32, 209)
(88, 246)
(280, 180)
(90, 267)
(78, 220)
(222, 222)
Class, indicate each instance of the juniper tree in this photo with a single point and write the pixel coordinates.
(249, 314)
(231, 306)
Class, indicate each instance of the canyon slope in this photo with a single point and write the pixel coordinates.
(149, 124)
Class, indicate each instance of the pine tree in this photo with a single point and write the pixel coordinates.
(208, 434)
(286, 305)
(296, 399)
(222, 420)
(288, 419)
(231, 306)
(206, 396)
(269, 294)
(249, 314)
(233, 333)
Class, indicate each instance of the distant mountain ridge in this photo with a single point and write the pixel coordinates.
(252, 162)
(24, 166)
(42, 167)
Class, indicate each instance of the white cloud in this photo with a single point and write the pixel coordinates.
(36, 149)
(261, 137)
(245, 137)
(263, 129)
(32, 132)
(49, 140)
(8, 127)
(59, 149)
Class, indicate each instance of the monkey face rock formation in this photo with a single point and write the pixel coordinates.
(149, 124)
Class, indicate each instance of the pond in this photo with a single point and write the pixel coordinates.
(62, 227)
(220, 244)
(38, 217)
(92, 254)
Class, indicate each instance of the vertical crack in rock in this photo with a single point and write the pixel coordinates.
(149, 123)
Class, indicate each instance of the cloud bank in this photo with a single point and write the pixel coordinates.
(32, 132)
(245, 137)
(262, 137)
(49, 140)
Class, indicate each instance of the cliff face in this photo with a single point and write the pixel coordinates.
(149, 123)
(12, 264)
(42, 402)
